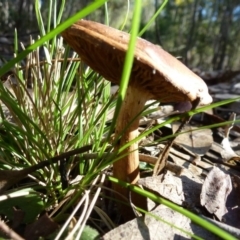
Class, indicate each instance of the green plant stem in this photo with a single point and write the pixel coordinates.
(153, 18)
(127, 68)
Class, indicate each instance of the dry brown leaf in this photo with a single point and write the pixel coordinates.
(151, 228)
(198, 142)
(41, 228)
(215, 191)
(182, 190)
(166, 185)
(228, 155)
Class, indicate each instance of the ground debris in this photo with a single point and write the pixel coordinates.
(215, 190)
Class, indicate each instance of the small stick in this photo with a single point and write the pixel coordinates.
(9, 232)
(10, 177)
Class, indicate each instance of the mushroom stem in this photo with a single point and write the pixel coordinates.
(127, 168)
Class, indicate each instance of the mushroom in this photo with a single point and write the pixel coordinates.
(155, 75)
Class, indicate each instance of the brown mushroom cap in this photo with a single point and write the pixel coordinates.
(155, 73)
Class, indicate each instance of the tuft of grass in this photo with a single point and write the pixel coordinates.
(50, 105)
(58, 113)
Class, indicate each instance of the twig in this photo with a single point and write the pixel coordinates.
(10, 177)
(9, 232)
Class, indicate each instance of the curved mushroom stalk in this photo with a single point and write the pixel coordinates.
(127, 168)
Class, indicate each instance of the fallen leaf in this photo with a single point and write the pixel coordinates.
(40, 228)
(18, 218)
(228, 155)
(198, 142)
(166, 225)
(31, 205)
(215, 190)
